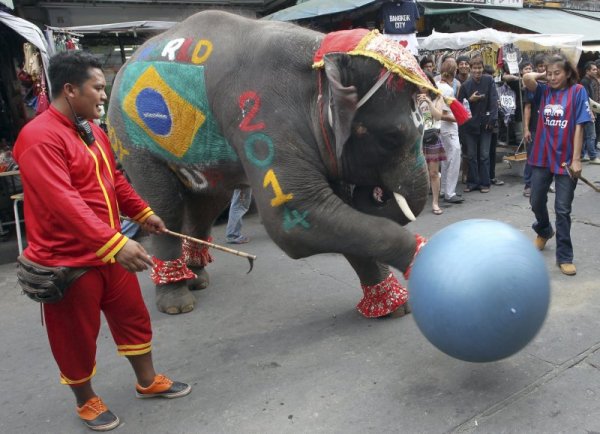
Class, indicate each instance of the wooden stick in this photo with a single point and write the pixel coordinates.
(209, 244)
(585, 180)
(249, 257)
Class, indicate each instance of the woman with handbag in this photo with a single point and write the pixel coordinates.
(432, 110)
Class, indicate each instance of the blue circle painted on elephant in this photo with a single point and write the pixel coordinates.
(154, 112)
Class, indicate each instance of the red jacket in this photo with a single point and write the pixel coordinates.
(73, 194)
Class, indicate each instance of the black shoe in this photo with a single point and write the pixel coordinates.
(455, 199)
(497, 181)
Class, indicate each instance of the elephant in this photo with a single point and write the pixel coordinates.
(324, 129)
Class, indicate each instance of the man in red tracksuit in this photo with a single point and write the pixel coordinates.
(73, 197)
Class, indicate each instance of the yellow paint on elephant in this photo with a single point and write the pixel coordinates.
(208, 47)
(186, 119)
(115, 143)
(280, 197)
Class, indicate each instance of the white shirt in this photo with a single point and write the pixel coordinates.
(445, 126)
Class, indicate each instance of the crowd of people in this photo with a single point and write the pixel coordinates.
(552, 117)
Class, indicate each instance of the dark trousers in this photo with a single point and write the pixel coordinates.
(478, 152)
(589, 140)
(527, 170)
(541, 178)
(493, 145)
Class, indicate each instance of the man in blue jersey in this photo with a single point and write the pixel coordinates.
(564, 109)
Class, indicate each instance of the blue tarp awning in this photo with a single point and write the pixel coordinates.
(445, 11)
(550, 21)
(317, 8)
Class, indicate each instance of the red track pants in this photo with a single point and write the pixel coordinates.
(73, 323)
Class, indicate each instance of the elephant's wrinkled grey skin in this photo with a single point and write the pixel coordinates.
(274, 61)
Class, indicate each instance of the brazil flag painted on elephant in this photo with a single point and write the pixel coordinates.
(165, 109)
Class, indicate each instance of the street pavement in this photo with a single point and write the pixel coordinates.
(283, 350)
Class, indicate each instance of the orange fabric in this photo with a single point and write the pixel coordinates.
(93, 408)
(160, 384)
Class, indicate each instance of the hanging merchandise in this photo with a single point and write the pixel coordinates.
(408, 41)
(64, 40)
(42, 99)
(32, 64)
(399, 23)
(70, 44)
(59, 42)
(399, 17)
(508, 102)
(512, 58)
(24, 78)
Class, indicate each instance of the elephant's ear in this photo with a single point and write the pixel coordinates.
(342, 102)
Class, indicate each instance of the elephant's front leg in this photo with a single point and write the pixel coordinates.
(316, 220)
(200, 212)
(170, 275)
(382, 293)
(164, 192)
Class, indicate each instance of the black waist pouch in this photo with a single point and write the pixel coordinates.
(45, 284)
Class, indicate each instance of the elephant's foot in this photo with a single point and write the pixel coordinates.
(174, 298)
(401, 311)
(384, 298)
(200, 282)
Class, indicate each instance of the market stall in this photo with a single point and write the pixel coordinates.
(29, 32)
(568, 44)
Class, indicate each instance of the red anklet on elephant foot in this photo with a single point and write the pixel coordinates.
(194, 254)
(383, 298)
(421, 241)
(173, 271)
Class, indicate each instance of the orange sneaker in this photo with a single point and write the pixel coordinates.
(162, 387)
(96, 416)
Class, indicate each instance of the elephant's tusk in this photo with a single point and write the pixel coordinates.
(403, 204)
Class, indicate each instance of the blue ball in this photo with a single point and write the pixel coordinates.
(479, 290)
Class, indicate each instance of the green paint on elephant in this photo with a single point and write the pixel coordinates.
(251, 154)
(293, 218)
(419, 155)
(165, 110)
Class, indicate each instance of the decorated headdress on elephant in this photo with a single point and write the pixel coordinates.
(394, 58)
